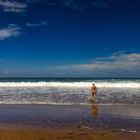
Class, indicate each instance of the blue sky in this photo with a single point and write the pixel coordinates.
(69, 38)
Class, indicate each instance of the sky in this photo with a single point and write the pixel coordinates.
(69, 38)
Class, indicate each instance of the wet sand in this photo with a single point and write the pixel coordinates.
(85, 122)
(31, 133)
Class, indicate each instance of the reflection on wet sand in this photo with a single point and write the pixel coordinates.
(94, 110)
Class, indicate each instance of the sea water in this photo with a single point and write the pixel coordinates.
(68, 91)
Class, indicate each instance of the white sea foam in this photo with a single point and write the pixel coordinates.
(124, 84)
(69, 92)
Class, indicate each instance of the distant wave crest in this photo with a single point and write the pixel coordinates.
(72, 84)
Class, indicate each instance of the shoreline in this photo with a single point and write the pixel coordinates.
(42, 122)
(95, 116)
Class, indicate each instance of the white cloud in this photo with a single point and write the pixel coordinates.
(115, 65)
(11, 31)
(43, 23)
(12, 6)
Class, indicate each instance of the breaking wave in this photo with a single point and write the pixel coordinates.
(69, 92)
(123, 84)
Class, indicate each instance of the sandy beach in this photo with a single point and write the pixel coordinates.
(85, 122)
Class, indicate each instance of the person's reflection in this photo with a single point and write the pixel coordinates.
(94, 110)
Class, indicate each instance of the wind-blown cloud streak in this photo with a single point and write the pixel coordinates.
(43, 23)
(11, 31)
(84, 4)
(78, 5)
(48, 2)
(12, 6)
(123, 65)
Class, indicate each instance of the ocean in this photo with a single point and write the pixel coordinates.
(66, 91)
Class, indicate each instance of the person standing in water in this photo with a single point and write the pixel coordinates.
(94, 91)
